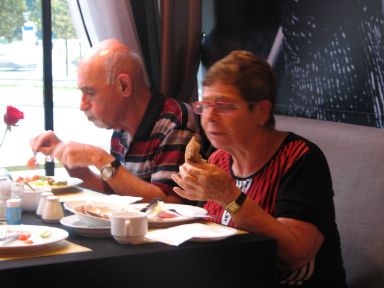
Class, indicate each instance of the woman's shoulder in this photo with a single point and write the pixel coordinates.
(296, 144)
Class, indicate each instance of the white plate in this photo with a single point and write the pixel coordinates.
(85, 229)
(213, 233)
(189, 213)
(71, 182)
(55, 235)
(107, 208)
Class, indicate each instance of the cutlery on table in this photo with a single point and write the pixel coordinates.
(150, 204)
(7, 237)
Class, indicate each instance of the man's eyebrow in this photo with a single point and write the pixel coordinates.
(87, 89)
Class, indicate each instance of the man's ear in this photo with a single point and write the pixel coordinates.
(125, 84)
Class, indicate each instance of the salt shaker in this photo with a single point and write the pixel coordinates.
(40, 206)
(53, 211)
(13, 213)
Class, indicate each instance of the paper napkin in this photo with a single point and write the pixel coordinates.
(178, 234)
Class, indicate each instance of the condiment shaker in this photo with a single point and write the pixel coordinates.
(53, 211)
(13, 213)
(40, 206)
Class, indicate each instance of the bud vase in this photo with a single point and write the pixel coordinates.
(4, 174)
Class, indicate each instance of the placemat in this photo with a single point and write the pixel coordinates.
(61, 247)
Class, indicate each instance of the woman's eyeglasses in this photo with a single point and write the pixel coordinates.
(199, 107)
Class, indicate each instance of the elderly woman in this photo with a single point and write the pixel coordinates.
(262, 180)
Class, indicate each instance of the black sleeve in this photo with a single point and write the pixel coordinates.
(306, 192)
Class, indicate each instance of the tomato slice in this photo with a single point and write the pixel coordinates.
(32, 163)
(24, 236)
(165, 214)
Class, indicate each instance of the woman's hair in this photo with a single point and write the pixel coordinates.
(250, 74)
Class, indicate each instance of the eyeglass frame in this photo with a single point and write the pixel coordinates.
(231, 106)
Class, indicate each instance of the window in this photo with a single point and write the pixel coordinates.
(21, 80)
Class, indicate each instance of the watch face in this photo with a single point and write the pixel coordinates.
(233, 207)
(107, 172)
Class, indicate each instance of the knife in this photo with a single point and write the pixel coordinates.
(9, 238)
(153, 201)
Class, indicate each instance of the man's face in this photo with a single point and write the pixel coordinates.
(96, 95)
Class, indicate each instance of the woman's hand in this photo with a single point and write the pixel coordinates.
(205, 182)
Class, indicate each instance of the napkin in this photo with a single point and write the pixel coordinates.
(178, 234)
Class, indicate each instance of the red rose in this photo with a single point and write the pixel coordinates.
(12, 116)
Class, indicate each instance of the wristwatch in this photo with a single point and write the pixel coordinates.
(109, 170)
(235, 205)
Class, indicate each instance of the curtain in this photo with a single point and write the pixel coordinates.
(97, 20)
(167, 33)
(170, 38)
(180, 48)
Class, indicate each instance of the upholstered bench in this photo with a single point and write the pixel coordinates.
(356, 158)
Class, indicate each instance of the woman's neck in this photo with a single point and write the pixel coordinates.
(263, 148)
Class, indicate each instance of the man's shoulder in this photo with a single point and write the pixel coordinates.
(181, 112)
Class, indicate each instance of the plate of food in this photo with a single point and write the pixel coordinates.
(20, 238)
(93, 212)
(162, 214)
(55, 183)
(86, 229)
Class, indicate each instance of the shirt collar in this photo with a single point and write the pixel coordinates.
(154, 108)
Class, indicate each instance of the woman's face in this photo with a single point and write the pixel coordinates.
(227, 128)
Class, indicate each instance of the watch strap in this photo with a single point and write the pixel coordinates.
(115, 163)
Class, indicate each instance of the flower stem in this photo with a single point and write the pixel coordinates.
(5, 133)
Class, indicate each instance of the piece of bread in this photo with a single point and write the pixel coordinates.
(192, 152)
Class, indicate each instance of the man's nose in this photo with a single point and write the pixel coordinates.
(84, 103)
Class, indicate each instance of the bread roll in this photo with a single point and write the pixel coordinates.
(192, 152)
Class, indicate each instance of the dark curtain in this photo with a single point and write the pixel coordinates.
(146, 14)
(170, 43)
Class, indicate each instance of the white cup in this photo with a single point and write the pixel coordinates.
(129, 227)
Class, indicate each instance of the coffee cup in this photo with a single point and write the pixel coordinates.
(129, 227)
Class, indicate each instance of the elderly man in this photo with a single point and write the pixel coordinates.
(150, 131)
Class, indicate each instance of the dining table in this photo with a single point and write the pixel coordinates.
(242, 260)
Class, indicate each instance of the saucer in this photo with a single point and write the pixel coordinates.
(129, 240)
(85, 229)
